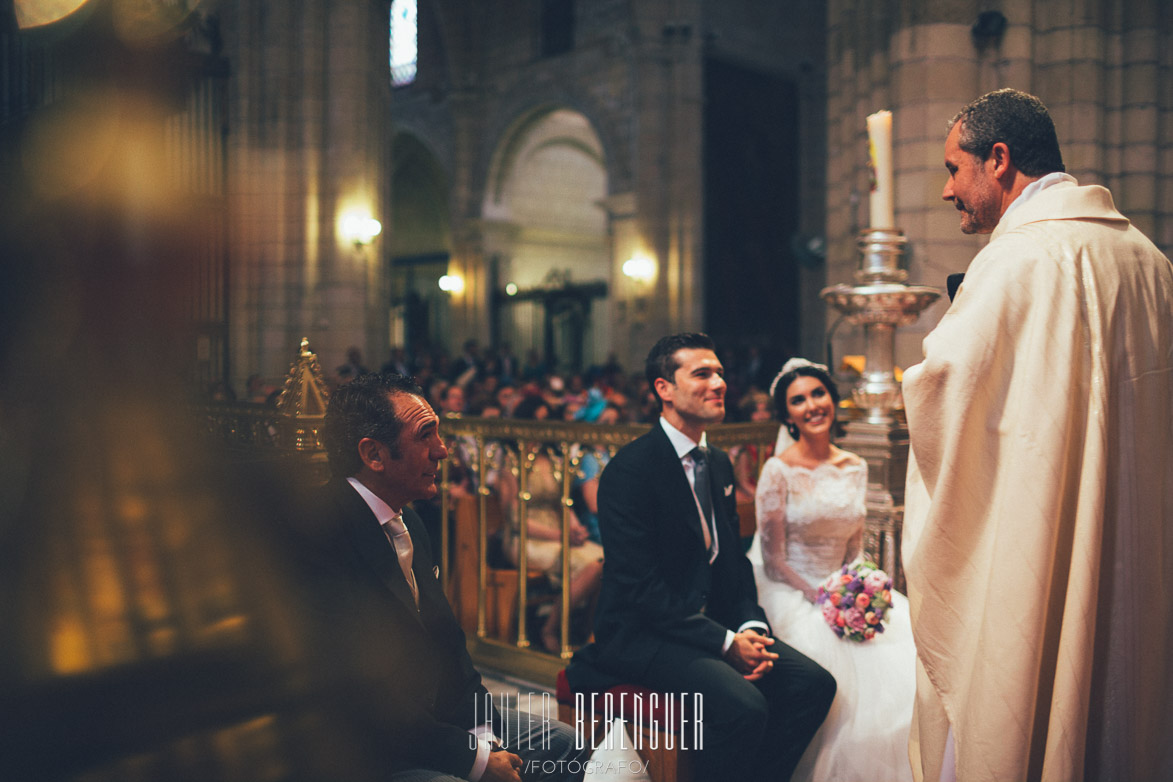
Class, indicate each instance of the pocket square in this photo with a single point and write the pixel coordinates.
(729, 490)
(436, 571)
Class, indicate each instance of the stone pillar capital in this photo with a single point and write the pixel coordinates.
(619, 206)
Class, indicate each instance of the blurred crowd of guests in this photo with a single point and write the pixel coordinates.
(492, 382)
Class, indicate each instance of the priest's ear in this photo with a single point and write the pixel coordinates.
(1002, 165)
(373, 453)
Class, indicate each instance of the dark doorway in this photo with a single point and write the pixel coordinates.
(751, 156)
(563, 315)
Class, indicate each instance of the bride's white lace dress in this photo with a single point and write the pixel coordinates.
(821, 511)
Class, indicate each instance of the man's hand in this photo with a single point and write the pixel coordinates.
(749, 655)
(578, 533)
(503, 766)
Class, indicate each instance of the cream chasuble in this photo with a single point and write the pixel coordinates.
(1038, 542)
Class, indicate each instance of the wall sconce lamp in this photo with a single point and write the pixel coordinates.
(452, 283)
(359, 229)
(640, 268)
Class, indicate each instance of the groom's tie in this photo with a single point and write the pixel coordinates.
(700, 461)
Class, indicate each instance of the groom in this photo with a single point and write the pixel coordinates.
(678, 609)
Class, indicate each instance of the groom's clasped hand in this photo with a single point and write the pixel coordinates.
(749, 654)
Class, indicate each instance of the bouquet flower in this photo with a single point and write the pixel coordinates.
(855, 600)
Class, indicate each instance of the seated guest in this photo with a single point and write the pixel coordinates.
(755, 407)
(493, 453)
(507, 398)
(452, 401)
(462, 450)
(594, 458)
(397, 362)
(352, 368)
(467, 366)
(391, 652)
(543, 525)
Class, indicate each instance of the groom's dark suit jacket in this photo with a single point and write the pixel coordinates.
(402, 676)
(658, 584)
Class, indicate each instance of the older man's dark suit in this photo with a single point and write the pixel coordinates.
(402, 677)
(663, 612)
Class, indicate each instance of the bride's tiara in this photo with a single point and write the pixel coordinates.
(793, 364)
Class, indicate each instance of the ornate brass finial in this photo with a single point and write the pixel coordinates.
(303, 400)
(305, 392)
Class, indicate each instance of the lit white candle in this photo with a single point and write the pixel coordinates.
(882, 212)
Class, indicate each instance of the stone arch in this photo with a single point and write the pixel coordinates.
(547, 233)
(519, 139)
(524, 105)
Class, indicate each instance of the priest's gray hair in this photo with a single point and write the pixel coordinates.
(1018, 120)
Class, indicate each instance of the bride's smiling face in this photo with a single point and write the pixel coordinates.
(809, 406)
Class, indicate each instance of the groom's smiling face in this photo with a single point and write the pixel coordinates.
(697, 391)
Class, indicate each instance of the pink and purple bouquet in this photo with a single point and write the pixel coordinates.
(855, 600)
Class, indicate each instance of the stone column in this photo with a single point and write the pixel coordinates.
(668, 178)
(629, 304)
(495, 241)
(308, 145)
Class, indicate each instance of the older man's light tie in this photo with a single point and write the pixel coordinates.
(396, 532)
(704, 497)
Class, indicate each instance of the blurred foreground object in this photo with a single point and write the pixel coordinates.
(144, 575)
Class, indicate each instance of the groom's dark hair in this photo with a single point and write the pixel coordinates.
(662, 358)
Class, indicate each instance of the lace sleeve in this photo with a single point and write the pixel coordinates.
(770, 507)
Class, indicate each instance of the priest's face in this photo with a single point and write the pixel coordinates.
(971, 187)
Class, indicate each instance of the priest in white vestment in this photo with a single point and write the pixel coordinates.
(1039, 508)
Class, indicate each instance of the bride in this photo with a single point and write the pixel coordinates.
(810, 517)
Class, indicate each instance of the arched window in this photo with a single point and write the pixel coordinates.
(404, 39)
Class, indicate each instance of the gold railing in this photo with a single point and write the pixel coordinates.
(564, 444)
(292, 432)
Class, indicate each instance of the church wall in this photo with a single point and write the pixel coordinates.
(309, 141)
(593, 80)
(635, 71)
(1101, 67)
(312, 117)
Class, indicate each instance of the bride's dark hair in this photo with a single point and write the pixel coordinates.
(783, 382)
